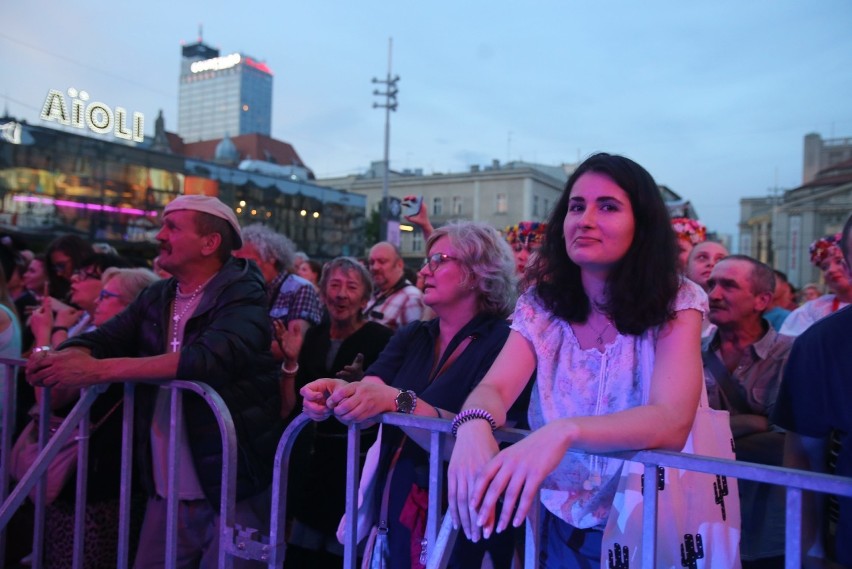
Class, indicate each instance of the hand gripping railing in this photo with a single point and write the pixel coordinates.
(79, 416)
(440, 539)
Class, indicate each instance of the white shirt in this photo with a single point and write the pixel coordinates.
(573, 382)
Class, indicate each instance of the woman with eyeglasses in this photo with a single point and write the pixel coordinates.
(427, 369)
(57, 321)
(608, 312)
(113, 289)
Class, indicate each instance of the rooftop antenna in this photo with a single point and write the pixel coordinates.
(200, 32)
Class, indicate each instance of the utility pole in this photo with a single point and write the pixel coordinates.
(389, 105)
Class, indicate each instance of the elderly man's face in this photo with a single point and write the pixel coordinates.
(732, 299)
(385, 267)
(180, 242)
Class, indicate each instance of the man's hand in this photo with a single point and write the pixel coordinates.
(66, 368)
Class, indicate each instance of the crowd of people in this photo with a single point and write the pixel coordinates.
(597, 330)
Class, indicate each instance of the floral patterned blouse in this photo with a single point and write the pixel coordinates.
(573, 382)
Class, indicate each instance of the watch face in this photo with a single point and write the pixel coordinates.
(405, 402)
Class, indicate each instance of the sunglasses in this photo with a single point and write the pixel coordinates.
(436, 260)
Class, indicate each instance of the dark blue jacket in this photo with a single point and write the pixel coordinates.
(226, 345)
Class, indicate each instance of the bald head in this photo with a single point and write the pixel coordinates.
(386, 266)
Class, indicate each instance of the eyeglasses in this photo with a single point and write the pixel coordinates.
(435, 260)
(59, 267)
(83, 274)
(105, 294)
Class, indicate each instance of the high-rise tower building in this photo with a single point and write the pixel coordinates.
(222, 95)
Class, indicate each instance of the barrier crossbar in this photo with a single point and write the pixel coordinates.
(251, 543)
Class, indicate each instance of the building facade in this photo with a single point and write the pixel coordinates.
(222, 96)
(54, 182)
(820, 153)
(779, 229)
(498, 194)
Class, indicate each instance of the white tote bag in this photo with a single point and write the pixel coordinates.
(698, 514)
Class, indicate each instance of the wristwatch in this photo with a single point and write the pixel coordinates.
(406, 401)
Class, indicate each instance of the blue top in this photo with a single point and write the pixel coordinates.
(407, 363)
(815, 398)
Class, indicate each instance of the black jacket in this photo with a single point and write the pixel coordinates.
(226, 345)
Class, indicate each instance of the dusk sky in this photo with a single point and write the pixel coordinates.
(713, 98)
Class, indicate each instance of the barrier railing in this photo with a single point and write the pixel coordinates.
(250, 543)
(50, 445)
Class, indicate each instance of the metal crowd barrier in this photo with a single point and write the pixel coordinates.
(50, 445)
(270, 550)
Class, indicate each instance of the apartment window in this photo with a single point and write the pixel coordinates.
(437, 206)
(535, 206)
(546, 211)
(457, 205)
(416, 241)
(502, 204)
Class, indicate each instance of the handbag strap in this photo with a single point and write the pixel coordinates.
(383, 512)
(729, 386)
(453, 356)
(102, 420)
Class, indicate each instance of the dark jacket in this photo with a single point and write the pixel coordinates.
(226, 346)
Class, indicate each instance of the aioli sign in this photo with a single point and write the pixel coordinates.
(96, 116)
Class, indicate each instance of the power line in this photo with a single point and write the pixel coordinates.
(38, 49)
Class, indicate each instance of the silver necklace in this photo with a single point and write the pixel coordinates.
(177, 317)
(600, 332)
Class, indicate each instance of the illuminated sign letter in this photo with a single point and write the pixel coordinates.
(54, 107)
(97, 116)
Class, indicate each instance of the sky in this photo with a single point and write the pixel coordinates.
(713, 98)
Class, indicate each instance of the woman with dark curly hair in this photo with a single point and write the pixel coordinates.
(607, 313)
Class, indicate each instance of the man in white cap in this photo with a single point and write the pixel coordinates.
(207, 323)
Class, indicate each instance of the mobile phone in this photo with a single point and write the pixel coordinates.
(412, 206)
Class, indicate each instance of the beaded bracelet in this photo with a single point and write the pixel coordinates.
(470, 415)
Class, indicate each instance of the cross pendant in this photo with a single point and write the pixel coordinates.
(175, 344)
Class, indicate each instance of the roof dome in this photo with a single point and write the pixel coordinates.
(226, 151)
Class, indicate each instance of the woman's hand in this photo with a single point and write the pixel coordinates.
(361, 400)
(421, 218)
(315, 397)
(289, 340)
(66, 316)
(516, 473)
(475, 446)
(41, 323)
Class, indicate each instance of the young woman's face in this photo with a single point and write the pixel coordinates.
(599, 225)
(35, 277)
